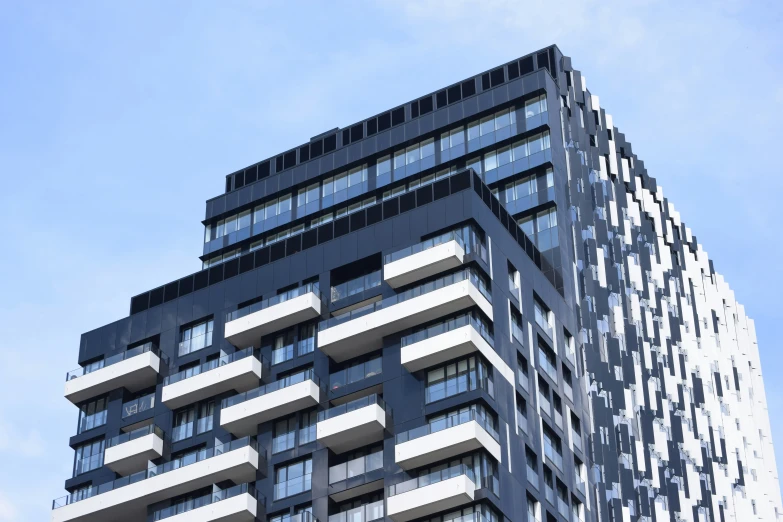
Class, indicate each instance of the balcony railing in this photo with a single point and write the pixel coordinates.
(356, 373)
(449, 422)
(542, 320)
(563, 508)
(452, 324)
(431, 478)
(517, 332)
(532, 476)
(135, 434)
(271, 387)
(205, 500)
(139, 405)
(114, 359)
(207, 366)
(553, 454)
(357, 404)
(365, 513)
(456, 385)
(286, 353)
(579, 483)
(547, 366)
(280, 298)
(195, 344)
(356, 286)
(426, 288)
(355, 467)
(187, 460)
(454, 235)
(577, 439)
(293, 486)
(522, 378)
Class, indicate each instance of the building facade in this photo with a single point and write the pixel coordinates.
(475, 306)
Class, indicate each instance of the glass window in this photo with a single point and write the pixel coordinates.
(206, 413)
(504, 155)
(427, 148)
(231, 225)
(307, 423)
(412, 154)
(520, 150)
(399, 159)
(183, 424)
(396, 191)
(383, 166)
(89, 456)
(284, 435)
(340, 182)
(475, 164)
(243, 220)
(196, 337)
(487, 125)
(357, 175)
(503, 119)
(490, 161)
(328, 186)
(535, 106)
(473, 130)
(284, 204)
(92, 414)
(455, 378)
(293, 479)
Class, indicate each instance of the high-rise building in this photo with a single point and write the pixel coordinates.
(476, 306)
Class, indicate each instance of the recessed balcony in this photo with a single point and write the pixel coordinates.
(133, 369)
(353, 424)
(126, 499)
(356, 477)
(242, 413)
(424, 259)
(246, 326)
(430, 494)
(361, 330)
(130, 452)
(446, 438)
(240, 371)
(242, 503)
(448, 340)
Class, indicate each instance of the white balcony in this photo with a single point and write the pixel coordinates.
(445, 439)
(130, 452)
(428, 495)
(126, 499)
(238, 508)
(353, 424)
(133, 371)
(242, 413)
(240, 371)
(422, 264)
(362, 330)
(442, 342)
(246, 326)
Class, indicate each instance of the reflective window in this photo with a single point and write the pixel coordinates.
(535, 106)
(92, 414)
(196, 337)
(293, 479)
(89, 456)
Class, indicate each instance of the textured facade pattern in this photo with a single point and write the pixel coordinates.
(680, 422)
(476, 305)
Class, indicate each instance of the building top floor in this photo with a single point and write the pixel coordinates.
(342, 148)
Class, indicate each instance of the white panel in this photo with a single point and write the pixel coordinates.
(446, 443)
(353, 429)
(133, 455)
(242, 419)
(241, 376)
(423, 264)
(426, 500)
(241, 508)
(135, 373)
(247, 331)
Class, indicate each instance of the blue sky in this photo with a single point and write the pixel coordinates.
(118, 121)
